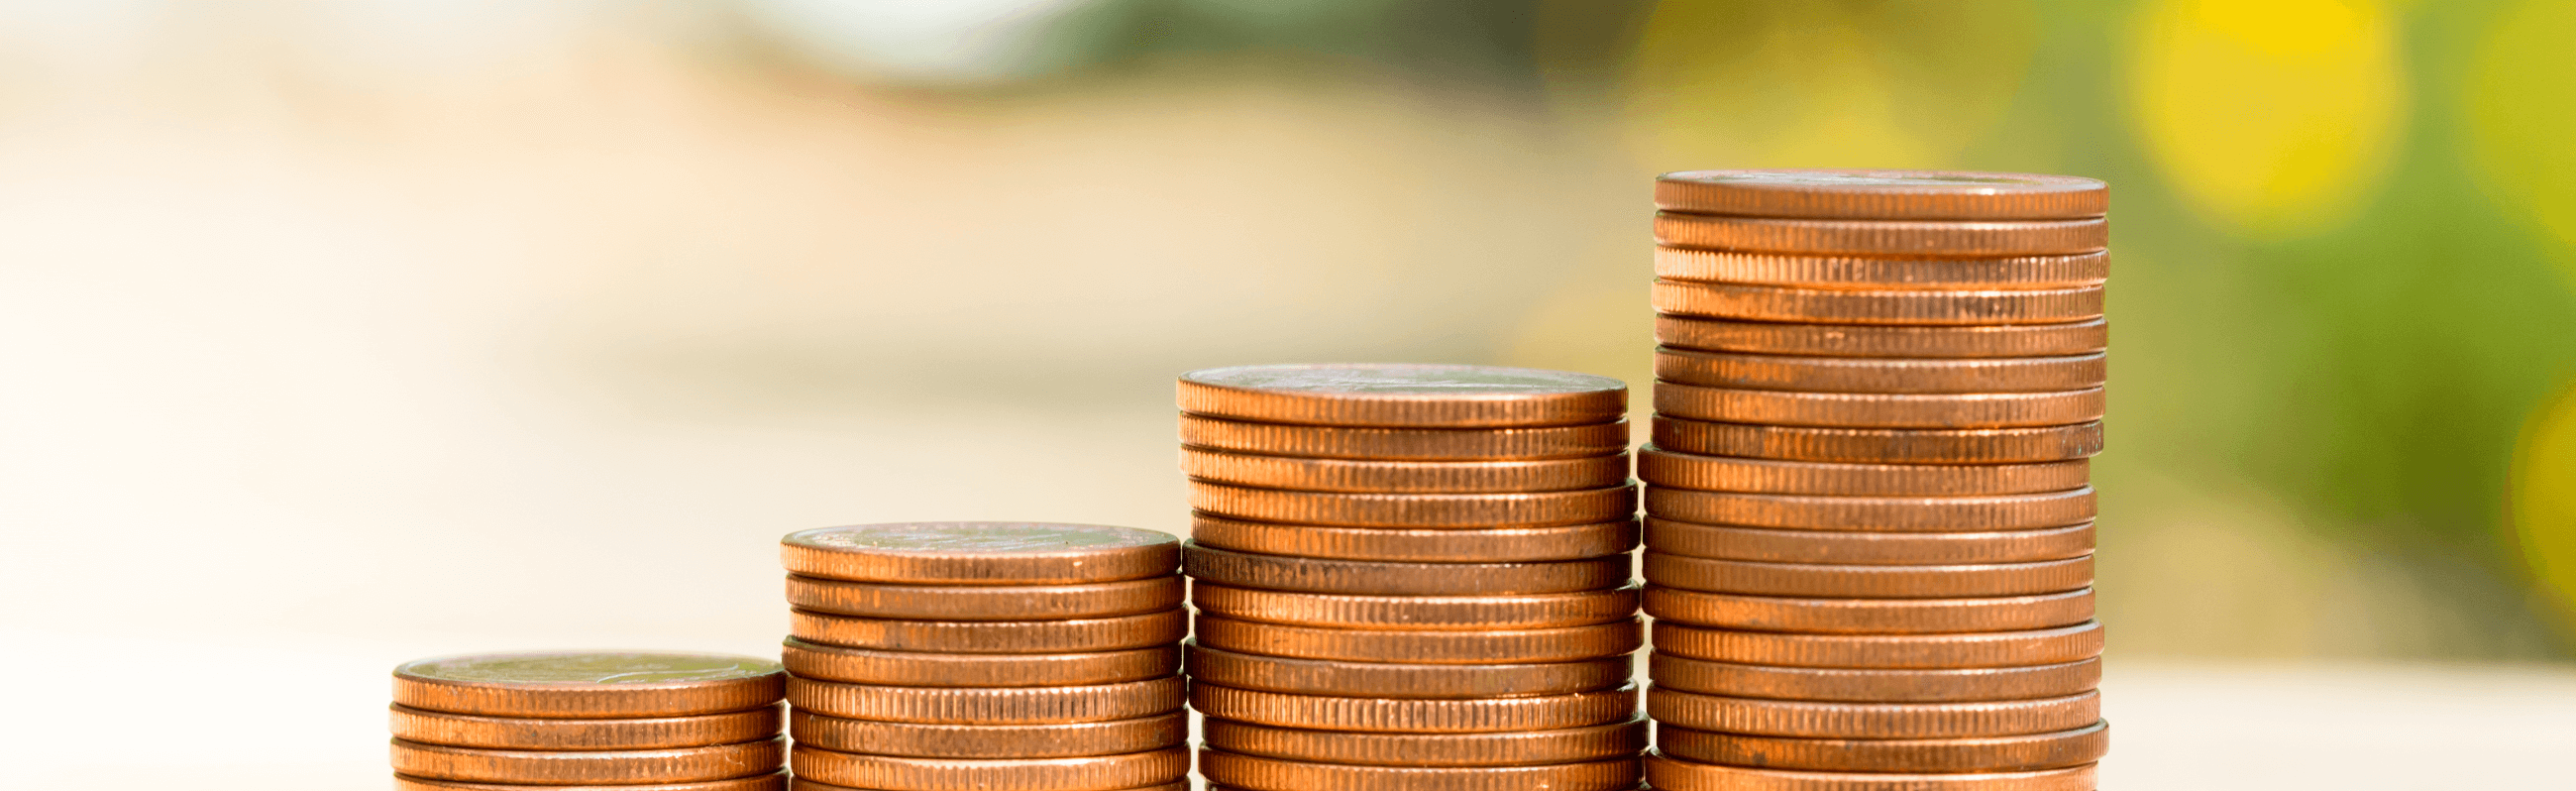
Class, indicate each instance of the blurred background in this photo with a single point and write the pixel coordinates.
(343, 333)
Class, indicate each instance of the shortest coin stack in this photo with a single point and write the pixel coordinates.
(569, 721)
(943, 656)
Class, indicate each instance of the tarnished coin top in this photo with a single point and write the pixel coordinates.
(588, 668)
(1915, 179)
(977, 537)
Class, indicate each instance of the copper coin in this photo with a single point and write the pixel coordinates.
(1882, 194)
(776, 781)
(1912, 308)
(918, 669)
(578, 767)
(1868, 582)
(1082, 635)
(1895, 651)
(1350, 611)
(1411, 715)
(1856, 546)
(1125, 700)
(1404, 477)
(1405, 680)
(1508, 748)
(1870, 616)
(1881, 445)
(985, 602)
(906, 773)
(1669, 774)
(2023, 682)
(1438, 545)
(1738, 474)
(1868, 272)
(1880, 340)
(2019, 753)
(980, 553)
(1893, 514)
(1848, 720)
(597, 684)
(625, 733)
(1913, 238)
(1405, 444)
(802, 784)
(1360, 509)
(1253, 773)
(1898, 375)
(1054, 740)
(1407, 395)
(1879, 410)
(1323, 575)
(1518, 646)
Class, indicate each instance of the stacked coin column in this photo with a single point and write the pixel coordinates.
(986, 655)
(594, 720)
(1869, 538)
(1411, 576)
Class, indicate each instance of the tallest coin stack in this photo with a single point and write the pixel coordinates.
(1869, 538)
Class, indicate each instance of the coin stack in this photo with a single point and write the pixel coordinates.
(1868, 537)
(1411, 576)
(603, 720)
(944, 656)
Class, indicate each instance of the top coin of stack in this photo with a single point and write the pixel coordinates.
(1411, 576)
(1868, 526)
(645, 721)
(946, 655)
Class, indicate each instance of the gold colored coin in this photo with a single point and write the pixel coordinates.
(1881, 340)
(1867, 547)
(1405, 444)
(1894, 514)
(1406, 395)
(1411, 715)
(1516, 646)
(1868, 582)
(625, 733)
(980, 553)
(1438, 545)
(2024, 682)
(593, 767)
(919, 669)
(905, 773)
(1083, 635)
(1125, 700)
(1404, 477)
(1889, 375)
(1669, 774)
(985, 602)
(1360, 509)
(1252, 773)
(1403, 680)
(1882, 194)
(1891, 651)
(1879, 410)
(1676, 470)
(1870, 616)
(2046, 306)
(1866, 272)
(1880, 445)
(1912, 238)
(1056, 740)
(769, 782)
(1349, 611)
(588, 684)
(2020, 753)
(1846, 720)
(1508, 748)
(1322, 575)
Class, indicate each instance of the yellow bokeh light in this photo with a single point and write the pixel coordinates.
(2544, 497)
(2274, 116)
(2520, 114)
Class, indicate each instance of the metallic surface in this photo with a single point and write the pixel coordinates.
(979, 553)
(1413, 395)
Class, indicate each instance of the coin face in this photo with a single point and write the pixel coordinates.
(1882, 194)
(980, 553)
(588, 683)
(1403, 395)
